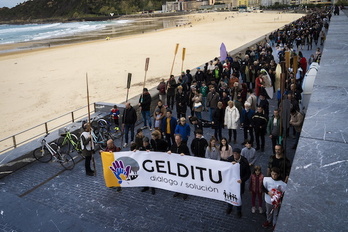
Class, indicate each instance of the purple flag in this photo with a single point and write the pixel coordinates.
(223, 52)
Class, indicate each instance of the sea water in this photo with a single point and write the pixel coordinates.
(35, 32)
(29, 36)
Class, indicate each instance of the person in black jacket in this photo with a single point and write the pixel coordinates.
(171, 87)
(128, 121)
(199, 144)
(181, 102)
(244, 176)
(179, 148)
(218, 120)
(260, 127)
(157, 143)
(144, 105)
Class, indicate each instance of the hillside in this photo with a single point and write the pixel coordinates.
(49, 10)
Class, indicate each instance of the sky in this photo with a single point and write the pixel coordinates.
(10, 3)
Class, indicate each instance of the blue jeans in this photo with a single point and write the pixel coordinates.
(146, 118)
(211, 112)
(127, 128)
(198, 115)
(204, 103)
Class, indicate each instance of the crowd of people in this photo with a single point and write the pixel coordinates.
(230, 95)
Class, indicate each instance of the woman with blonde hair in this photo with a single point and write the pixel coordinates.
(231, 121)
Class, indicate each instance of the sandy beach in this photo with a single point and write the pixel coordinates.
(39, 85)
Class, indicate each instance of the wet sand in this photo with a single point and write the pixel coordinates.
(41, 84)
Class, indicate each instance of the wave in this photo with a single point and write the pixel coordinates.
(34, 32)
(26, 28)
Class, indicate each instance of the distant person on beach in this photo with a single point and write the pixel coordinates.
(144, 105)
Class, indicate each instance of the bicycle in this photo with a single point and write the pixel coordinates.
(106, 129)
(68, 138)
(101, 132)
(46, 152)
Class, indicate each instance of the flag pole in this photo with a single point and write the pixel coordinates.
(89, 122)
(183, 58)
(129, 79)
(175, 52)
(146, 68)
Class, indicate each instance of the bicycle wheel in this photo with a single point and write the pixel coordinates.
(66, 161)
(60, 141)
(63, 144)
(101, 141)
(42, 155)
(75, 142)
(102, 123)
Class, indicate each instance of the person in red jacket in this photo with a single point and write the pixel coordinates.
(255, 187)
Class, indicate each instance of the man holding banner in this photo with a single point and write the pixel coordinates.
(185, 174)
(182, 149)
(244, 176)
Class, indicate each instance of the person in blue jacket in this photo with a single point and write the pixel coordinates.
(183, 129)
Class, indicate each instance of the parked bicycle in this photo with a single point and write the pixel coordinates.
(69, 142)
(102, 132)
(106, 128)
(47, 152)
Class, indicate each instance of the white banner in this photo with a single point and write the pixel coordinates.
(185, 174)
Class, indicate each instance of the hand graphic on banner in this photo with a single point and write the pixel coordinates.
(120, 171)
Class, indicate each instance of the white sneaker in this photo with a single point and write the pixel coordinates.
(260, 210)
(125, 145)
(253, 209)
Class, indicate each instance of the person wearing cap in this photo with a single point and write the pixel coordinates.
(144, 105)
(244, 176)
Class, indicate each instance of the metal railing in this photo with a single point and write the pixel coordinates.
(13, 141)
